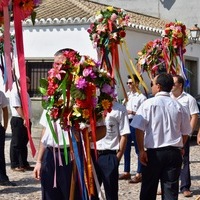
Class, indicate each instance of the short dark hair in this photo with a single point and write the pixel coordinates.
(62, 50)
(180, 79)
(136, 79)
(165, 81)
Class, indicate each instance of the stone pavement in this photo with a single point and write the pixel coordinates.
(29, 189)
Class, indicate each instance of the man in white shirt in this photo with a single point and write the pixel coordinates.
(110, 150)
(48, 164)
(4, 180)
(19, 139)
(135, 99)
(190, 104)
(162, 128)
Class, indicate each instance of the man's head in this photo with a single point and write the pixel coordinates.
(178, 85)
(132, 85)
(162, 82)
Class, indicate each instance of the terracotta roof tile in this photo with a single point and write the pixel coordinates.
(85, 9)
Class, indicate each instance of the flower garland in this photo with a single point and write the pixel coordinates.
(109, 27)
(150, 58)
(174, 41)
(26, 9)
(106, 33)
(75, 86)
(165, 54)
(78, 93)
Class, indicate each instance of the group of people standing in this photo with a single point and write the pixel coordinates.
(189, 104)
(160, 128)
(19, 136)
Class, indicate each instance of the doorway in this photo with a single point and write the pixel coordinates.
(191, 73)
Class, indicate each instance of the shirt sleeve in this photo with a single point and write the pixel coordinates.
(3, 100)
(186, 129)
(43, 119)
(140, 119)
(124, 127)
(193, 106)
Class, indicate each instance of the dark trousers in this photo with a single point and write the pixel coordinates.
(3, 176)
(185, 171)
(18, 145)
(107, 172)
(63, 176)
(164, 164)
(127, 154)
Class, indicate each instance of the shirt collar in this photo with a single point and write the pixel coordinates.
(162, 93)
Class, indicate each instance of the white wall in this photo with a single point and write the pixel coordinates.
(44, 41)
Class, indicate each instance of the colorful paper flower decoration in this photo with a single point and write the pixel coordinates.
(175, 37)
(150, 58)
(76, 90)
(26, 8)
(109, 27)
(174, 41)
(165, 54)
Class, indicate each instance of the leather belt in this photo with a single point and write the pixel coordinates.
(167, 148)
(105, 152)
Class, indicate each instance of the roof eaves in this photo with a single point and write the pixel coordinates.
(84, 20)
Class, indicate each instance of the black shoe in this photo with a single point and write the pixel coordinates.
(28, 168)
(7, 183)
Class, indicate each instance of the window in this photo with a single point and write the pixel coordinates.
(37, 69)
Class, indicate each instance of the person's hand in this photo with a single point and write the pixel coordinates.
(198, 138)
(143, 157)
(37, 170)
(25, 123)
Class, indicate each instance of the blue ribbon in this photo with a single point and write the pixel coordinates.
(79, 165)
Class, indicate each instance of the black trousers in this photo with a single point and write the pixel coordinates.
(18, 145)
(63, 177)
(107, 172)
(164, 164)
(3, 176)
(185, 171)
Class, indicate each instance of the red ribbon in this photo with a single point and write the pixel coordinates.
(22, 71)
(7, 49)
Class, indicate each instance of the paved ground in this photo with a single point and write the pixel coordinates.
(29, 189)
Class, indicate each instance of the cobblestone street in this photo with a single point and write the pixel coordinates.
(29, 189)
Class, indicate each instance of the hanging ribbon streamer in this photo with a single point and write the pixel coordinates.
(88, 162)
(22, 70)
(115, 64)
(133, 67)
(7, 50)
(79, 165)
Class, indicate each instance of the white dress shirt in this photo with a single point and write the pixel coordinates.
(117, 124)
(164, 121)
(47, 138)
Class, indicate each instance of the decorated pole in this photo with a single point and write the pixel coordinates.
(20, 10)
(165, 55)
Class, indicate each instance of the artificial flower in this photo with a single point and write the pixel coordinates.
(76, 86)
(109, 27)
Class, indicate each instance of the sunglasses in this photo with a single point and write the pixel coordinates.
(129, 83)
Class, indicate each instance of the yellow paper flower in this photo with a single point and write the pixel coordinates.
(105, 104)
(110, 8)
(85, 113)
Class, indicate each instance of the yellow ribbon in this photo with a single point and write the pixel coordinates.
(132, 65)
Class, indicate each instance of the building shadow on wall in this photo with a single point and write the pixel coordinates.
(167, 3)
